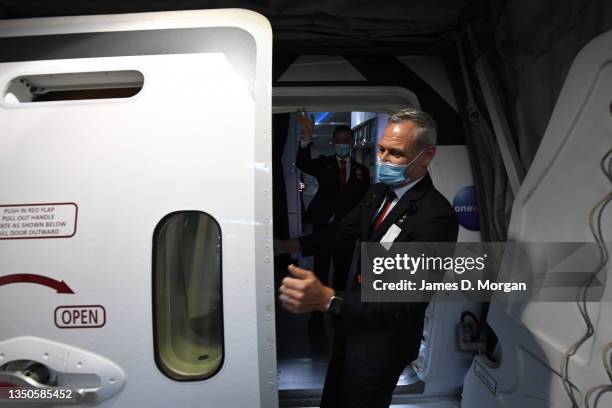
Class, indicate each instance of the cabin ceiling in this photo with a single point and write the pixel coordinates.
(339, 22)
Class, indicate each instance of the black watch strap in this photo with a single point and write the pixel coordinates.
(335, 305)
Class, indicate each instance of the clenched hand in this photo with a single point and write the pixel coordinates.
(303, 292)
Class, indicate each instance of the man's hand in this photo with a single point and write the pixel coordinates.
(303, 292)
(306, 123)
(286, 246)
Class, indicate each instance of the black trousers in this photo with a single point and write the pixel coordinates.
(359, 376)
(342, 258)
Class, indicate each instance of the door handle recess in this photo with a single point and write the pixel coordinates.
(40, 363)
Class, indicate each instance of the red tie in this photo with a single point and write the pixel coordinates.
(342, 175)
(385, 209)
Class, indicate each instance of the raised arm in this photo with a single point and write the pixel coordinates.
(304, 159)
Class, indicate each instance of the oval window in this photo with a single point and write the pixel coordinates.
(187, 304)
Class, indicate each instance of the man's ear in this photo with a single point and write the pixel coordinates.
(430, 152)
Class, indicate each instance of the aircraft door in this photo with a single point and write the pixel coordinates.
(136, 209)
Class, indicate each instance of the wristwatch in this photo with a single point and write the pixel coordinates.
(335, 305)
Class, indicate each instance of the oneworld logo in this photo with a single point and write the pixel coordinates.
(466, 207)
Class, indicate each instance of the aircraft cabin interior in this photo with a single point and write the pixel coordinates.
(155, 157)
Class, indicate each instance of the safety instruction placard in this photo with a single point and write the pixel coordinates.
(28, 221)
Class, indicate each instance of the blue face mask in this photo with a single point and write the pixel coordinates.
(394, 174)
(342, 150)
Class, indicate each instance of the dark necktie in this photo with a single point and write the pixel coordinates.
(342, 173)
(384, 209)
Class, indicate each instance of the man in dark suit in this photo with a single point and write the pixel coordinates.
(374, 342)
(342, 183)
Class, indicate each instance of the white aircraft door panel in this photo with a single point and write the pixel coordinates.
(193, 145)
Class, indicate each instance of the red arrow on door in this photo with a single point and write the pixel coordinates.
(59, 286)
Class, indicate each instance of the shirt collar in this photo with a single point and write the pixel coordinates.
(403, 189)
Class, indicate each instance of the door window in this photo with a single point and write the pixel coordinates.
(187, 304)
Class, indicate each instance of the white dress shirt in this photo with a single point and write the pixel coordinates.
(399, 193)
(393, 231)
(304, 143)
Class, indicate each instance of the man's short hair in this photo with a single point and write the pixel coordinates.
(342, 128)
(427, 133)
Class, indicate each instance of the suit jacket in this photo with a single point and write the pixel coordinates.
(331, 200)
(381, 334)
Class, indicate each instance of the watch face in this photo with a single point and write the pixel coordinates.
(335, 305)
